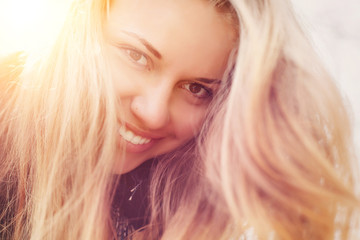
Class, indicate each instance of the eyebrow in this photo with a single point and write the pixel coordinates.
(208, 81)
(156, 53)
(149, 47)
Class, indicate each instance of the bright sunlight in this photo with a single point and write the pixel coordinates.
(29, 24)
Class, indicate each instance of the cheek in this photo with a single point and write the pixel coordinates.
(124, 78)
(188, 121)
(124, 81)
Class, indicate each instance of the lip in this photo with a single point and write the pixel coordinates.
(138, 148)
(143, 134)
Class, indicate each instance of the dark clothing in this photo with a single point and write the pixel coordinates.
(131, 201)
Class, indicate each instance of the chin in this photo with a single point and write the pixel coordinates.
(128, 165)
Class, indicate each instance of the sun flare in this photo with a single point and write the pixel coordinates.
(27, 25)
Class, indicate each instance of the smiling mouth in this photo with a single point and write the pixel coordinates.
(131, 137)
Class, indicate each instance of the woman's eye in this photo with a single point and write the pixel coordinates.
(198, 90)
(137, 57)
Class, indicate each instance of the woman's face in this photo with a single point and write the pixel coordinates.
(167, 60)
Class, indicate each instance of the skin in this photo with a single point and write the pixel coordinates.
(167, 59)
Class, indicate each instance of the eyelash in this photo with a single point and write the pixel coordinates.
(129, 51)
(142, 56)
(208, 91)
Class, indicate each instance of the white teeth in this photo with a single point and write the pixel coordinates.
(131, 137)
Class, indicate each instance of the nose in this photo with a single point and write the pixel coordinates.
(151, 107)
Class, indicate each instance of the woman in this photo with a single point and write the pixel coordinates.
(250, 136)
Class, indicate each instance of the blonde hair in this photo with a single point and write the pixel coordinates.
(58, 127)
(274, 157)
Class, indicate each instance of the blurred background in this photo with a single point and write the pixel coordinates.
(333, 26)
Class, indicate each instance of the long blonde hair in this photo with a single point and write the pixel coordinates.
(58, 127)
(274, 157)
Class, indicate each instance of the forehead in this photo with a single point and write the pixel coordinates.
(178, 29)
(161, 10)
